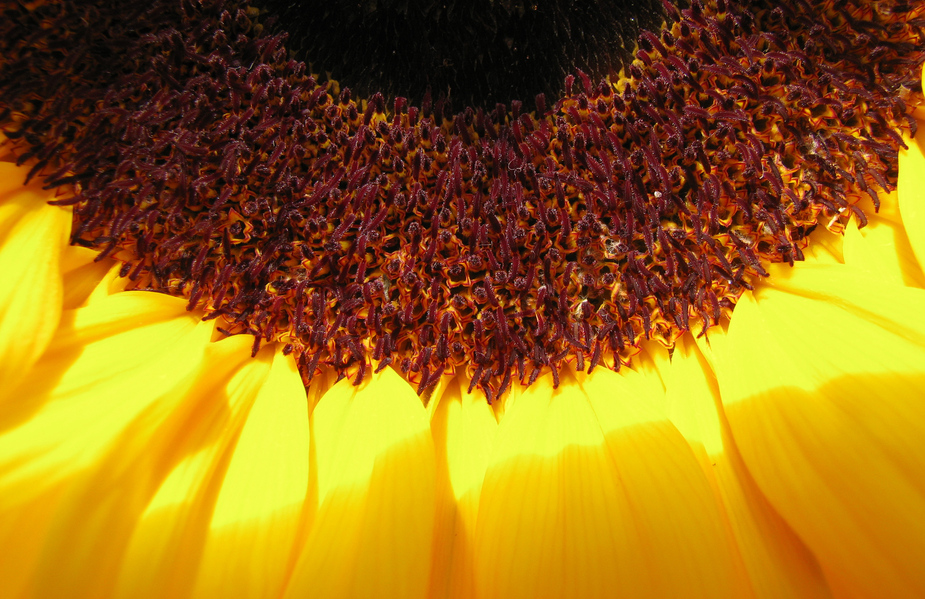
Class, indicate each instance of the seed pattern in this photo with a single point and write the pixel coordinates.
(363, 234)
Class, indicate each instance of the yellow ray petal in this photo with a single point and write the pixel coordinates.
(645, 376)
(133, 522)
(911, 191)
(90, 396)
(371, 535)
(81, 274)
(194, 450)
(592, 493)
(825, 247)
(258, 511)
(551, 512)
(822, 383)
(777, 561)
(32, 237)
(882, 248)
(671, 497)
(464, 429)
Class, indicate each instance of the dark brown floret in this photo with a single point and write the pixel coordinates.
(362, 234)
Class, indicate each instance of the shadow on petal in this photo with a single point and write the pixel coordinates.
(593, 493)
(778, 563)
(821, 380)
(62, 463)
(372, 531)
(464, 429)
(850, 489)
(258, 512)
(33, 236)
(911, 191)
(188, 458)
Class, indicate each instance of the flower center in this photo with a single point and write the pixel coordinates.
(477, 52)
(365, 233)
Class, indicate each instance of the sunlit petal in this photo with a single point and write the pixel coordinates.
(777, 561)
(552, 519)
(371, 535)
(671, 498)
(258, 510)
(588, 493)
(822, 385)
(92, 402)
(464, 429)
(186, 517)
(882, 248)
(166, 544)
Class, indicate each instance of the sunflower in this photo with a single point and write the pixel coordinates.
(147, 448)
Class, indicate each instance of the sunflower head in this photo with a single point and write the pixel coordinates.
(363, 233)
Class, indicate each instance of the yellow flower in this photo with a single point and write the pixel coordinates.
(143, 454)
(779, 458)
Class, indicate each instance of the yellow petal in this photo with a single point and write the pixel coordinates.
(464, 429)
(645, 375)
(671, 497)
(177, 529)
(81, 274)
(32, 236)
(777, 561)
(822, 382)
(93, 396)
(592, 493)
(825, 247)
(882, 248)
(371, 535)
(258, 511)
(911, 191)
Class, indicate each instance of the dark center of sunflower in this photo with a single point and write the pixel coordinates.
(368, 233)
(476, 52)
